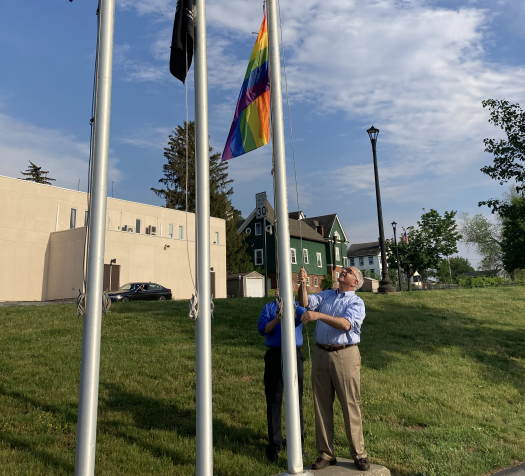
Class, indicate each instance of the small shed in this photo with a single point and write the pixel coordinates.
(245, 284)
(370, 284)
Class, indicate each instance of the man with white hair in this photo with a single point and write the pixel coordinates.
(336, 364)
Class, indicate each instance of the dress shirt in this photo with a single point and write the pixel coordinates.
(334, 303)
(273, 338)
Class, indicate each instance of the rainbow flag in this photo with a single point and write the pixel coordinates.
(251, 123)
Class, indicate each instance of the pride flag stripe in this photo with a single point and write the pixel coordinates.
(250, 128)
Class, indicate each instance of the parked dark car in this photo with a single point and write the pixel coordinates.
(140, 292)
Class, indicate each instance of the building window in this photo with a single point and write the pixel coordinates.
(345, 261)
(73, 219)
(351, 261)
(216, 237)
(294, 256)
(370, 260)
(258, 257)
(86, 218)
(316, 282)
(337, 258)
(305, 256)
(258, 229)
(336, 275)
(181, 232)
(170, 230)
(248, 231)
(319, 260)
(361, 261)
(137, 225)
(308, 280)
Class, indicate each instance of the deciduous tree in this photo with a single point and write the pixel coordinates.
(449, 270)
(484, 237)
(434, 238)
(509, 154)
(513, 234)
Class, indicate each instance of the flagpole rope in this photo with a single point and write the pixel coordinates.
(187, 173)
(295, 174)
(92, 127)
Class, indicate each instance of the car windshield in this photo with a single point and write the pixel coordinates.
(128, 287)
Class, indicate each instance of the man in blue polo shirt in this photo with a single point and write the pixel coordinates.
(270, 326)
(336, 364)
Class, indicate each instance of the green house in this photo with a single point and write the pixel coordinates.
(311, 242)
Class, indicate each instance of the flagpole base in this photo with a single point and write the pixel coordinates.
(304, 473)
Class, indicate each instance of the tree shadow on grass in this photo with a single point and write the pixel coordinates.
(33, 443)
(161, 414)
(148, 413)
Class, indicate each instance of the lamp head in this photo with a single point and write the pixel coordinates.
(373, 133)
(394, 224)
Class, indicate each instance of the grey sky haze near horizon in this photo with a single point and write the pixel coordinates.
(418, 70)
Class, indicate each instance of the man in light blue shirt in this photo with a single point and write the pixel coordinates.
(336, 364)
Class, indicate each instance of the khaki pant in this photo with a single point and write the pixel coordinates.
(337, 372)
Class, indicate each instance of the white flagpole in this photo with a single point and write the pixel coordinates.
(203, 323)
(90, 363)
(291, 389)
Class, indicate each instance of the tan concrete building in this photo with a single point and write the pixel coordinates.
(42, 242)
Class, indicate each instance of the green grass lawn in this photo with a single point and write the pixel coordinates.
(443, 386)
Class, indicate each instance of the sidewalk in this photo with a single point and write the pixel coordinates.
(516, 471)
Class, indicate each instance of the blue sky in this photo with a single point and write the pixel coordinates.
(418, 70)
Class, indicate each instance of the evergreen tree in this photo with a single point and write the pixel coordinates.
(174, 192)
(237, 260)
(36, 174)
(174, 179)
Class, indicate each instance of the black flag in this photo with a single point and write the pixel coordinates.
(182, 40)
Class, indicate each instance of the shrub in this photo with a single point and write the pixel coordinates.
(480, 282)
(327, 283)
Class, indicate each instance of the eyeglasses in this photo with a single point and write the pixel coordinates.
(349, 270)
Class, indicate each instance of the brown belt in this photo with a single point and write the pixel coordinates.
(333, 348)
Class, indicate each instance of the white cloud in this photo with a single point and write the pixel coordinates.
(63, 155)
(137, 69)
(416, 70)
(148, 137)
(145, 7)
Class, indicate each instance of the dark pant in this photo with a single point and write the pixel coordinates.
(273, 388)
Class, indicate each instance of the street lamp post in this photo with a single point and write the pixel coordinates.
(385, 285)
(394, 224)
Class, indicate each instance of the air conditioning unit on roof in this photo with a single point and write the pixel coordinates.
(130, 229)
(124, 227)
(153, 230)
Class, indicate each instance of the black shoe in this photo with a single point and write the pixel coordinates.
(321, 463)
(362, 464)
(272, 455)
